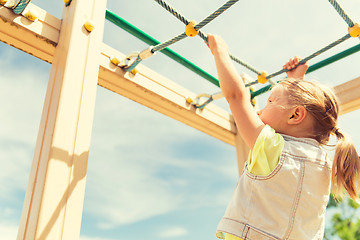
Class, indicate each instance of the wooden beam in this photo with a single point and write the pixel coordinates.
(36, 38)
(54, 197)
(159, 93)
(348, 94)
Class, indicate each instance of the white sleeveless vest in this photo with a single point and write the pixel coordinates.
(289, 203)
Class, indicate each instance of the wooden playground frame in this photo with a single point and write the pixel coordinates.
(80, 61)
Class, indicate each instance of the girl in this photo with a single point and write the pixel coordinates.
(285, 185)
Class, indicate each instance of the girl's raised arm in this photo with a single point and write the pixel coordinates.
(247, 121)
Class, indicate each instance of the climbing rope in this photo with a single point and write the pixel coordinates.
(195, 31)
(169, 42)
(342, 13)
(235, 59)
(215, 14)
(170, 9)
(208, 19)
(331, 45)
(354, 28)
(203, 22)
(21, 5)
(178, 15)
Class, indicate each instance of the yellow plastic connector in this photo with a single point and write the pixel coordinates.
(262, 77)
(134, 71)
(89, 25)
(253, 102)
(190, 29)
(31, 14)
(189, 100)
(67, 2)
(115, 60)
(2, 2)
(354, 31)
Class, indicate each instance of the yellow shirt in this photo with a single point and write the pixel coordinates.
(264, 157)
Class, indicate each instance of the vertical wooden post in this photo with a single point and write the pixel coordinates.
(242, 152)
(54, 199)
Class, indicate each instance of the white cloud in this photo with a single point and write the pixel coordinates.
(21, 100)
(8, 231)
(15, 166)
(173, 232)
(130, 152)
(117, 202)
(22, 95)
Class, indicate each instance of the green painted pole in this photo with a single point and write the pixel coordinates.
(334, 58)
(316, 66)
(120, 22)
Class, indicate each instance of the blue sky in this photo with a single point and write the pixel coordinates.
(150, 176)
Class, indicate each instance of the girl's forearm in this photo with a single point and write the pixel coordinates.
(231, 83)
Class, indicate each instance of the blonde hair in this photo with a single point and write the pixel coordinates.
(322, 105)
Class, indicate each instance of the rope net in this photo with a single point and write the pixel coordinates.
(194, 30)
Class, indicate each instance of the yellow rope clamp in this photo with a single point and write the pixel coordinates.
(67, 1)
(2, 2)
(262, 77)
(31, 14)
(189, 100)
(89, 25)
(190, 29)
(134, 71)
(354, 31)
(253, 101)
(115, 60)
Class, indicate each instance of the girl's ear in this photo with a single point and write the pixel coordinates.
(297, 115)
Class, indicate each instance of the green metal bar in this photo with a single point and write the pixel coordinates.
(334, 58)
(120, 22)
(316, 66)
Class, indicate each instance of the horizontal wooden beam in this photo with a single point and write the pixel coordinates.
(349, 95)
(159, 93)
(36, 38)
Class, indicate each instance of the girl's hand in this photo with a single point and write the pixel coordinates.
(217, 44)
(297, 72)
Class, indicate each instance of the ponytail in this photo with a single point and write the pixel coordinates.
(346, 167)
(321, 103)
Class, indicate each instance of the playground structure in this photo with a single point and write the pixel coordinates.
(54, 198)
